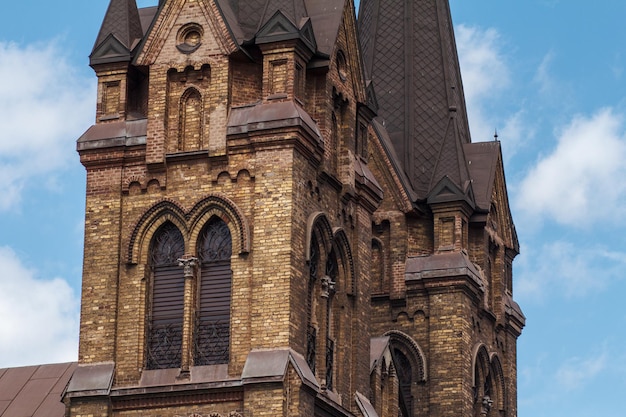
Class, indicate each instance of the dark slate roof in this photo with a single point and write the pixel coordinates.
(410, 55)
(122, 20)
(482, 160)
(246, 17)
(146, 16)
(34, 391)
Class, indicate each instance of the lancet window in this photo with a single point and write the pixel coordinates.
(404, 370)
(165, 325)
(212, 331)
(327, 274)
(189, 298)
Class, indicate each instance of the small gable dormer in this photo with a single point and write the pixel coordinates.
(186, 49)
(287, 48)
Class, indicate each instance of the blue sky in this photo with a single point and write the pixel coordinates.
(548, 74)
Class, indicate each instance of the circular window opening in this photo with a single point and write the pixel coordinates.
(192, 38)
(189, 38)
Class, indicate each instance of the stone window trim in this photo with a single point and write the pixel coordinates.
(189, 38)
(190, 223)
(330, 272)
(188, 324)
(488, 383)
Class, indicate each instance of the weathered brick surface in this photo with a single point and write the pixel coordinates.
(268, 186)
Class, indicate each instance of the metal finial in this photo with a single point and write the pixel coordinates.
(495, 135)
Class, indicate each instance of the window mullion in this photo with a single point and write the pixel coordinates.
(189, 265)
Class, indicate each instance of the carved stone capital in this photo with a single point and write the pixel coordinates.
(189, 265)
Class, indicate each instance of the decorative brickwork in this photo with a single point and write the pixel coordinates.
(258, 242)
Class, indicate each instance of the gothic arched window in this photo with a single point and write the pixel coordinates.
(212, 332)
(165, 324)
(408, 361)
(190, 129)
(311, 332)
(404, 370)
(328, 291)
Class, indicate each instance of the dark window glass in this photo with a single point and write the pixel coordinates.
(212, 333)
(165, 326)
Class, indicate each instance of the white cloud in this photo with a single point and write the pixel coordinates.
(486, 80)
(38, 317)
(44, 106)
(580, 182)
(566, 269)
(485, 74)
(482, 62)
(578, 372)
(543, 76)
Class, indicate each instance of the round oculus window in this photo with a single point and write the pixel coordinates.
(189, 38)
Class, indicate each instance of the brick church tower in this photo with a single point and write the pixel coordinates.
(286, 216)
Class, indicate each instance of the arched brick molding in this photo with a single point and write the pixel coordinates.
(190, 224)
(413, 351)
(485, 384)
(498, 380)
(227, 210)
(155, 216)
(480, 356)
(318, 221)
(342, 246)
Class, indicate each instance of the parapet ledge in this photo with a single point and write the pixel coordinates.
(264, 366)
(90, 380)
(267, 116)
(442, 265)
(114, 134)
(514, 313)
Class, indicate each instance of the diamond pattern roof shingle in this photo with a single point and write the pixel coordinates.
(122, 21)
(410, 54)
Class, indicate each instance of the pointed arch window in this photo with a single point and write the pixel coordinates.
(328, 291)
(165, 323)
(311, 333)
(212, 330)
(190, 129)
(408, 361)
(322, 324)
(404, 370)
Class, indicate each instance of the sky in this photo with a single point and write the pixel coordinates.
(547, 74)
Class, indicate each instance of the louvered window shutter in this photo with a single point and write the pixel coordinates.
(165, 327)
(212, 333)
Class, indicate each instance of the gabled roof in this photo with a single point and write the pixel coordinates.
(410, 55)
(246, 17)
(487, 171)
(483, 161)
(34, 391)
(123, 23)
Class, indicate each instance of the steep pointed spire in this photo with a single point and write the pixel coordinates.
(410, 54)
(121, 22)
